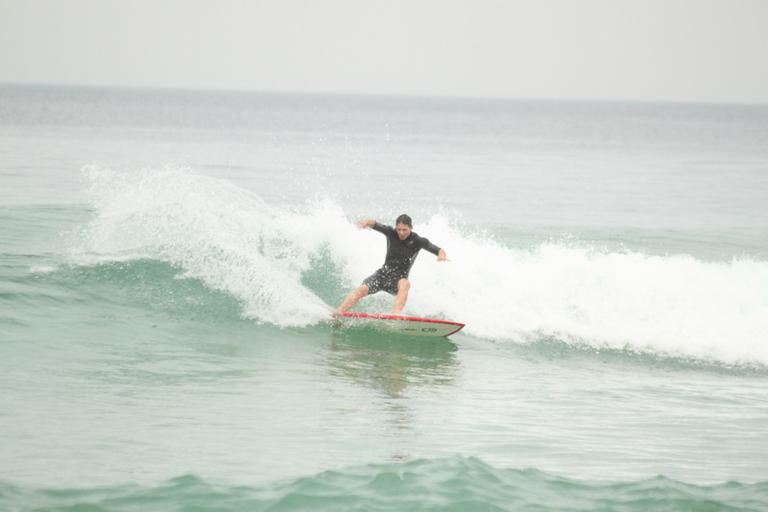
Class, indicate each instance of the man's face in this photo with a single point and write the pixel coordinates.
(403, 231)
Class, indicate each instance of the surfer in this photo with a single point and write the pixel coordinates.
(403, 245)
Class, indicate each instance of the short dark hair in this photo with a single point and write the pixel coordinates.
(404, 219)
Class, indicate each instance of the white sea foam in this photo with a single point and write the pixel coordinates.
(671, 304)
(42, 269)
(233, 241)
(221, 234)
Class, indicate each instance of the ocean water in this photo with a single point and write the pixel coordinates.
(168, 260)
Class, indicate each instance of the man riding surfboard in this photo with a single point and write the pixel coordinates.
(403, 245)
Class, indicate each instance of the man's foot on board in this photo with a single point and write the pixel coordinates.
(335, 317)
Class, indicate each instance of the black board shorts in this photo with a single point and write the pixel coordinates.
(385, 280)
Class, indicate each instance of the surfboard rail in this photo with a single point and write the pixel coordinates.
(415, 325)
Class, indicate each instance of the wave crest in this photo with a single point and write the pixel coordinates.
(285, 266)
(456, 483)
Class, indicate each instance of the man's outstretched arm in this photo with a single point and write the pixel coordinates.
(437, 251)
(371, 223)
(366, 223)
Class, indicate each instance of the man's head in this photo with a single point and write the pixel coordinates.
(403, 226)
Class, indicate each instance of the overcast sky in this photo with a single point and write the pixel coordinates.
(678, 50)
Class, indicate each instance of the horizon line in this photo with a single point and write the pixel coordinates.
(364, 94)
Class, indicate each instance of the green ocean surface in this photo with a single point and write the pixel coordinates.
(168, 261)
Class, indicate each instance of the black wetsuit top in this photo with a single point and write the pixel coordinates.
(402, 253)
(400, 257)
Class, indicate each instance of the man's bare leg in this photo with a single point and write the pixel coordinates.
(403, 286)
(354, 296)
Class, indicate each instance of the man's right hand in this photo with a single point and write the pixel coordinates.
(366, 223)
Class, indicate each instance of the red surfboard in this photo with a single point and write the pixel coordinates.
(411, 325)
